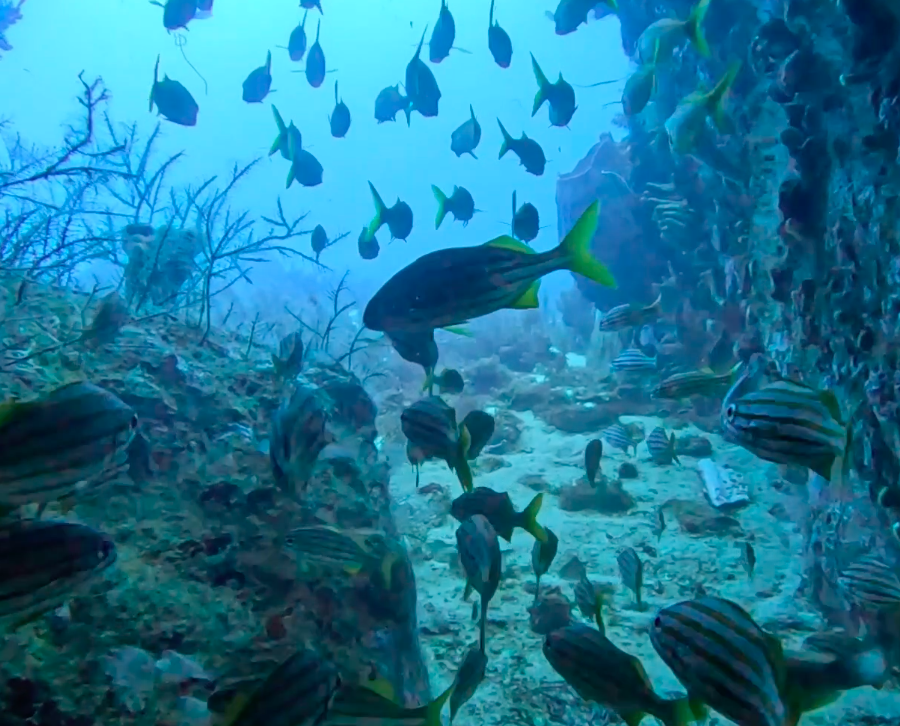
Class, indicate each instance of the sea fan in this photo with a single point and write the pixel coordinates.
(10, 14)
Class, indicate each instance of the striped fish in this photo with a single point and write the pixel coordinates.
(601, 672)
(431, 429)
(617, 437)
(631, 570)
(870, 584)
(299, 433)
(352, 551)
(723, 659)
(633, 361)
(44, 563)
(63, 444)
(695, 383)
(299, 691)
(629, 315)
(357, 705)
(589, 599)
(479, 553)
(458, 284)
(662, 446)
(789, 423)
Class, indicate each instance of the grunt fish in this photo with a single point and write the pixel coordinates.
(479, 553)
(662, 446)
(499, 510)
(631, 570)
(353, 551)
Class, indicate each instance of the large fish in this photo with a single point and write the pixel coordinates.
(62, 445)
(44, 563)
(452, 286)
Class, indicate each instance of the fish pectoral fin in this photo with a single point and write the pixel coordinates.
(529, 299)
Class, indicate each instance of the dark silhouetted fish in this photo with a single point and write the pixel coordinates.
(499, 510)
(592, 455)
(398, 218)
(480, 426)
(460, 204)
(340, 117)
(560, 96)
(368, 246)
(479, 553)
(390, 102)
(451, 286)
(526, 223)
(257, 84)
(286, 136)
(529, 151)
(442, 36)
(63, 444)
(299, 691)
(177, 13)
(430, 426)
(297, 42)
(305, 168)
(570, 14)
(498, 42)
(451, 381)
(542, 555)
(468, 678)
(310, 4)
(173, 101)
(418, 348)
(465, 139)
(43, 564)
(421, 86)
(315, 62)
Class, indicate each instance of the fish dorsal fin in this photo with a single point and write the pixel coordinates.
(510, 243)
(529, 298)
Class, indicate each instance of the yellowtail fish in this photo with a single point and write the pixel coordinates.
(601, 672)
(639, 89)
(62, 445)
(560, 95)
(468, 678)
(450, 381)
(696, 383)
(631, 570)
(688, 121)
(431, 429)
(352, 551)
(593, 452)
(542, 555)
(480, 426)
(662, 447)
(790, 423)
(660, 38)
(452, 286)
(479, 553)
(399, 219)
(43, 564)
(298, 691)
(499, 510)
(358, 705)
(287, 135)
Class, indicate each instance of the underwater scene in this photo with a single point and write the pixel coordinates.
(415, 362)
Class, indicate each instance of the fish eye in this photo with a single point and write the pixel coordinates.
(657, 622)
(134, 421)
(729, 412)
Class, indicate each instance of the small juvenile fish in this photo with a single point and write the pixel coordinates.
(340, 117)
(696, 383)
(617, 437)
(631, 569)
(352, 551)
(388, 103)
(659, 523)
(468, 678)
(257, 84)
(499, 510)
(498, 42)
(526, 222)
(173, 101)
(529, 151)
(600, 672)
(748, 558)
(542, 554)
(315, 62)
(662, 446)
(480, 426)
(479, 553)
(398, 218)
(633, 360)
(450, 381)
(460, 204)
(298, 691)
(430, 426)
(629, 315)
(288, 361)
(592, 454)
(465, 139)
(297, 42)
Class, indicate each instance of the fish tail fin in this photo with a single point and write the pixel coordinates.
(716, 97)
(507, 139)
(290, 177)
(543, 86)
(678, 712)
(461, 465)
(528, 520)
(694, 27)
(380, 209)
(576, 249)
(433, 715)
(472, 154)
(282, 131)
(442, 206)
(155, 81)
(269, 62)
(407, 111)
